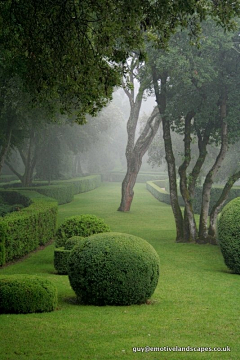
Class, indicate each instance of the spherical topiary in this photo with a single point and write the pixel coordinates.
(229, 235)
(74, 240)
(80, 225)
(113, 269)
(22, 294)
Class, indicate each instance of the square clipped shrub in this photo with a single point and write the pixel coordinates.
(61, 254)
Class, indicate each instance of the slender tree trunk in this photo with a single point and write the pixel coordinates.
(219, 204)
(190, 228)
(203, 236)
(160, 94)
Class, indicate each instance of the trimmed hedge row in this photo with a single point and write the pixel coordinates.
(63, 191)
(164, 196)
(160, 194)
(23, 231)
(83, 184)
(141, 178)
(215, 194)
(23, 294)
(7, 178)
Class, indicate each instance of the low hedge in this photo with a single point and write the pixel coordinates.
(61, 255)
(113, 269)
(141, 178)
(23, 231)
(83, 184)
(63, 191)
(7, 178)
(162, 195)
(23, 294)
(215, 194)
(79, 225)
(229, 234)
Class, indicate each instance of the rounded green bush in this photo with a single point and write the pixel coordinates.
(22, 294)
(113, 269)
(80, 225)
(229, 235)
(74, 240)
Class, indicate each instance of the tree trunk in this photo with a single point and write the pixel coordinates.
(190, 228)
(160, 94)
(203, 236)
(219, 204)
(129, 183)
(29, 160)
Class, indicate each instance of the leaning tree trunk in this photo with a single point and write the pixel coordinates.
(134, 159)
(133, 167)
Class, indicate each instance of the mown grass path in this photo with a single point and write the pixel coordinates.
(195, 304)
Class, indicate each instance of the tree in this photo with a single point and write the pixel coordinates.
(136, 149)
(199, 101)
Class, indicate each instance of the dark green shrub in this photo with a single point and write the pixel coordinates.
(113, 269)
(74, 240)
(80, 225)
(229, 235)
(22, 294)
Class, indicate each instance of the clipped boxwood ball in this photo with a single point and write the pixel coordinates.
(80, 225)
(229, 235)
(113, 269)
(74, 240)
(22, 294)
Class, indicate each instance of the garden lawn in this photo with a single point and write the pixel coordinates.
(196, 302)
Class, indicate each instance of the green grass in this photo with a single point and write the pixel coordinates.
(195, 304)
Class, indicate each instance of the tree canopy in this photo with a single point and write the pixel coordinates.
(71, 49)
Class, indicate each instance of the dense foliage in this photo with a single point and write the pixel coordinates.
(113, 269)
(23, 294)
(229, 235)
(80, 225)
